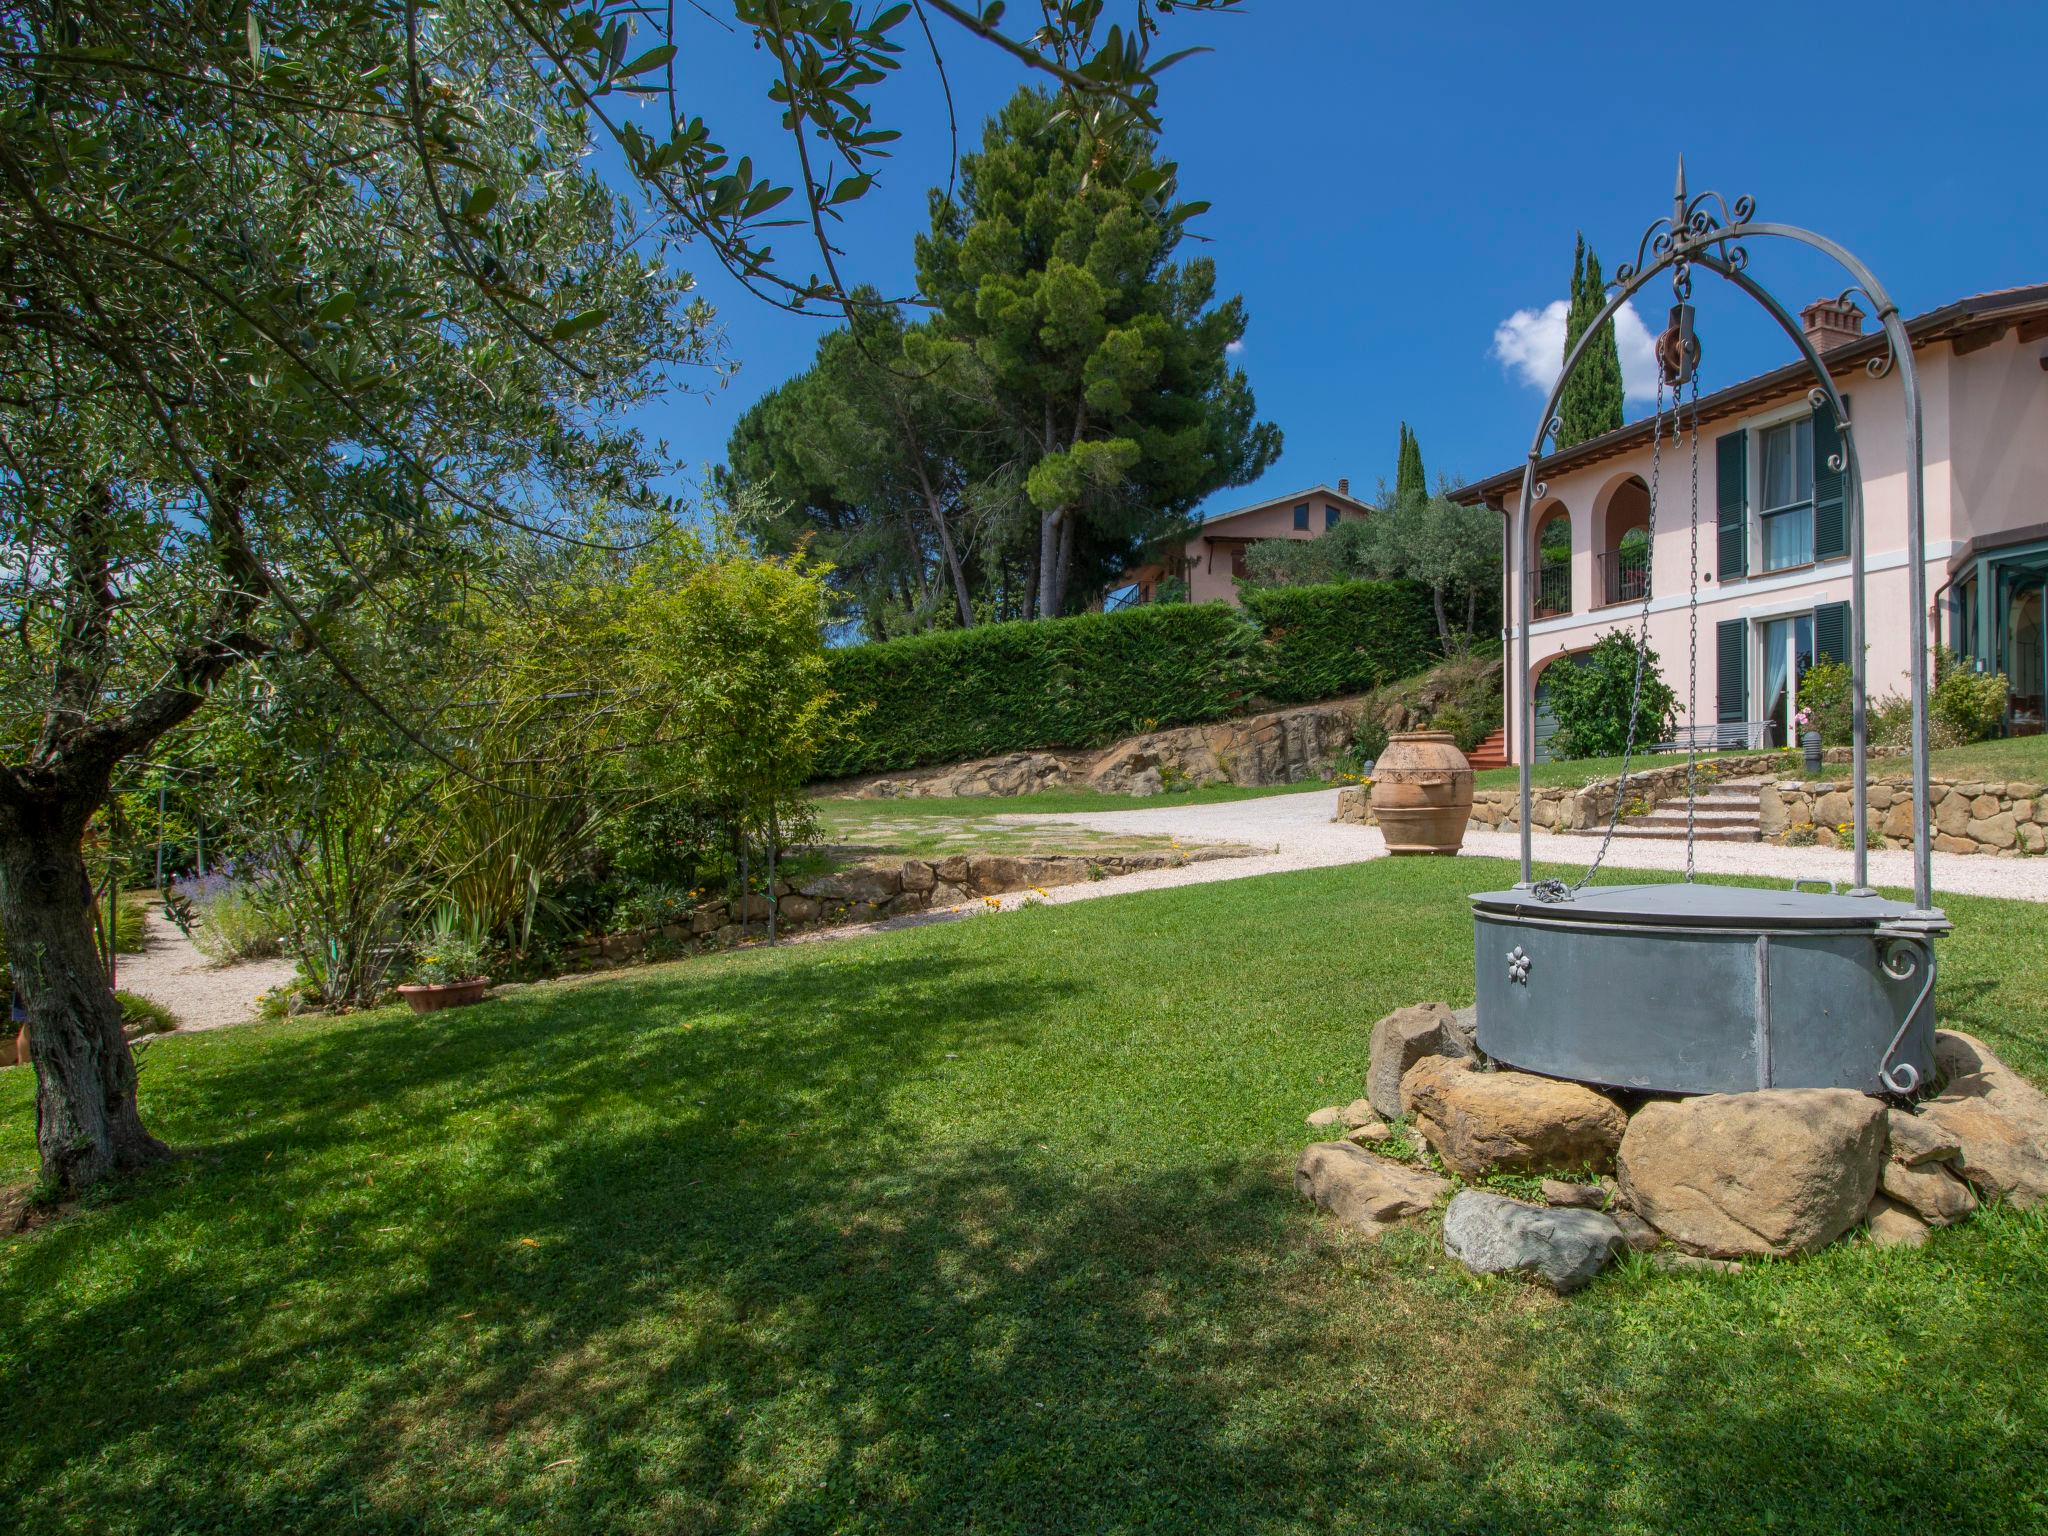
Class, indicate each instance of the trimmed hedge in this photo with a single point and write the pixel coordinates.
(1087, 681)
(1321, 642)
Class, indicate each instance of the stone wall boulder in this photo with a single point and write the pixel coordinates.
(1485, 1122)
(1494, 1235)
(1997, 1118)
(1400, 1040)
(1364, 1191)
(1771, 1173)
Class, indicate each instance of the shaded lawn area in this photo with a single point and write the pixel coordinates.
(979, 1227)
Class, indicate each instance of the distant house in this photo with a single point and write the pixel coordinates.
(1213, 556)
(1773, 539)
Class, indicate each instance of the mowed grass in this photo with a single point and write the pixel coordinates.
(983, 1227)
(2022, 759)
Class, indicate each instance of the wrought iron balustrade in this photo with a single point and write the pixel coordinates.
(1553, 589)
(1624, 575)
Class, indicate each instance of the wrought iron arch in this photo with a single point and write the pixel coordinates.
(1705, 231)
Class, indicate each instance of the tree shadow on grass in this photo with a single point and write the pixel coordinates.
(693, 1252)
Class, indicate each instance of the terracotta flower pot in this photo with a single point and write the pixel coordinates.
(1422, 792)
(448, 994)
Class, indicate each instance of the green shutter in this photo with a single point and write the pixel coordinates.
(1731, 500)
(1731, 656)
(1831, 633)
(1830, 487)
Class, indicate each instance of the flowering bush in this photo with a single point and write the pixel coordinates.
(448, 957)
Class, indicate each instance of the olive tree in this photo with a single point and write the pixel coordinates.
(300, 299)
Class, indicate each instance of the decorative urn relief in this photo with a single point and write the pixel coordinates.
(1422, 792)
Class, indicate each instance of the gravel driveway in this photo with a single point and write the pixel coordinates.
(1301, 834)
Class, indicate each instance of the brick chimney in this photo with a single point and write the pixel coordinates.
(1831, 322)
(1343, 487)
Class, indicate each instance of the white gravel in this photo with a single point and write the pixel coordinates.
(201, 995)
(1301, 834)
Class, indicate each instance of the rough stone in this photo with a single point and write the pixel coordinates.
(1493, 1235)
(1483, 1122)
(1372, 1133)
(1464, 1030)
(1930, 1190)
(1952, 815)
(1999, 830)
(1914, 1139)
(1585, 1197)
(1359, 1112)
(1364, 1191)
(1893, 1226)
(799, 909)
(918, 875)
(1639, 1234)
(861, 882)
(1999, 1119)
(1326, 1119)
(1399, 1040)
(1776, 1172)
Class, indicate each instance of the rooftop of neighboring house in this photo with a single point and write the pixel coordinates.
(1968, 324)
(1340, 493)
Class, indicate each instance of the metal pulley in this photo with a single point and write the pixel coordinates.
(1678, 347)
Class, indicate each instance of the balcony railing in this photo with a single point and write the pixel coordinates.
(1553, 590)
(1624, 576)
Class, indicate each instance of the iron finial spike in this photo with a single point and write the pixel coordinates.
(1678, 194)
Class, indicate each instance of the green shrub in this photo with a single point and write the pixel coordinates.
(1078, 682)
(1591, 700)
(1088, 680)
(1345, 638)
(1824, 696)
(1971, 705)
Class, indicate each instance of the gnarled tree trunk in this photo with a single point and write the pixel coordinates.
(88, 1124)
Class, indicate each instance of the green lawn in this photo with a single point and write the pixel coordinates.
(2021, 759)
(978, 1227)
(1583, 770)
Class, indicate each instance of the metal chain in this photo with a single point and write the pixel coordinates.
(1692, 666)
(1557, 890)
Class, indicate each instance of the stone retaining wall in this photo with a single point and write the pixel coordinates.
(1563, 809)
(1282, 746)
(1970, 816)
(868, 892)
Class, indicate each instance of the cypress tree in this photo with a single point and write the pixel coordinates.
(1591, 403)
(1409, 480)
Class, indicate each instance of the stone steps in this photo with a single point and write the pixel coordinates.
(1725, 814)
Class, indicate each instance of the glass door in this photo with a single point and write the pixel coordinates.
(1787, 645)
(2026, 651)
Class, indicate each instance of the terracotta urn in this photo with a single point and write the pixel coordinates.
(1422, 792)
(453, 994)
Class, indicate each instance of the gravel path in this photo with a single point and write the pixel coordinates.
(171, 970)
(1301, 834)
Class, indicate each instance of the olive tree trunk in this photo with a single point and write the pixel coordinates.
(88, 1125)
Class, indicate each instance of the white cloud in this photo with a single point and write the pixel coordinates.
(1530, 345)
(1233, 348)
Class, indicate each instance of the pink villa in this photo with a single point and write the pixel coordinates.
(1213, 557)
(1773, 540)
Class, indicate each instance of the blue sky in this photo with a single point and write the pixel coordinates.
(1392, 186)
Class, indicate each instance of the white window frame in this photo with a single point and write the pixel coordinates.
(1756, 427)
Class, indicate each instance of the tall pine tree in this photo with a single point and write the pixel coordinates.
(1409, 481)
(1591, 403)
